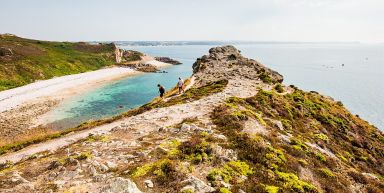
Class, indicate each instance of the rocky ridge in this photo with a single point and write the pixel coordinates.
(255, 135)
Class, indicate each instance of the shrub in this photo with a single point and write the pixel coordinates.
(320, 157)
(293, 183)
(224, 190)
(83, 156)
(271, 189)
(327, 173)
(321, 136)
(265, 78)
(279, 88)
(195, 149)
(233, 170)
(303, 162)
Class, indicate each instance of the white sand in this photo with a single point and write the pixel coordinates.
(60, 86)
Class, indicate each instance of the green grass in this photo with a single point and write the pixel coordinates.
(36, 60)
(308, 118)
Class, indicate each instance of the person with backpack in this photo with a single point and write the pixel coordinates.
(180, 85)
(161, 90)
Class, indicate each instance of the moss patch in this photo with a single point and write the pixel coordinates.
(232, 171)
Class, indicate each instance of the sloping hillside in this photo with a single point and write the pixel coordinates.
(237, 129)
(23, 61)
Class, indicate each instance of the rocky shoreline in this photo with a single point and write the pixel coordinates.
(168, 60)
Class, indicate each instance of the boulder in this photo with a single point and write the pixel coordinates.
(120, 185)
(111, 165)
(197, 185)
(185, 127)
(148, 183)
(6, 51)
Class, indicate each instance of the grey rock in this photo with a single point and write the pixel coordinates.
(198, 185)
(103, 168)
(111, 165)
(370, 175)
(120, 185)
(148, 183)
(219, 136)
(59, 184)
(185, 127)
(93, 171)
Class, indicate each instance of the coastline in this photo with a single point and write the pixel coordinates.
(24, 109)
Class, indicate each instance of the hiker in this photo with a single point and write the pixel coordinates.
(161, 90)
(180, 84)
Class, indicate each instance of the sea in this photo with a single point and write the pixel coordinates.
(352, 73)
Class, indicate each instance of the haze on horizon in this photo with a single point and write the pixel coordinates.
(244, 20)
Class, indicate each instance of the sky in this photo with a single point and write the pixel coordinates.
(216, 20)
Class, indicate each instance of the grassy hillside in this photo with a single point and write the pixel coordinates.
(23, 61)
(317, 137)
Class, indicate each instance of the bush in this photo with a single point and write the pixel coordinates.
(279, 88)
(233, 170)
(195, 149)
(326, 173)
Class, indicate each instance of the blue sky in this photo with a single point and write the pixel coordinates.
(257, 20)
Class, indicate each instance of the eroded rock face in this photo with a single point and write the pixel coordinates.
(226, 62)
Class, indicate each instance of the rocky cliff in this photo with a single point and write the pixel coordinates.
(237, 128)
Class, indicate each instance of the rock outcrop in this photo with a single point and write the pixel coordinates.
(227, 63)
(118, 55)
(168, 60)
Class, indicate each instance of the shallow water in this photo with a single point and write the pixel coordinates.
(358, 84)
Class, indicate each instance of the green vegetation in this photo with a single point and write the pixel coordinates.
(327, 173)
(132, 55)
(231, 171)
(298, 144)
(35, 60)
(187, 191)
(320, 157)
(321, 137)
(93, 138)
(265, 78)
(293, 183)
(164, 171)
(303, 162)
(224, 190)
(271, 189)
(279, 88)
(196, 149)
(307, 118)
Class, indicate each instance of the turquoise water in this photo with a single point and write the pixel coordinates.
(358, 84)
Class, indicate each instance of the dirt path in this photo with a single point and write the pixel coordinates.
(148, 121)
